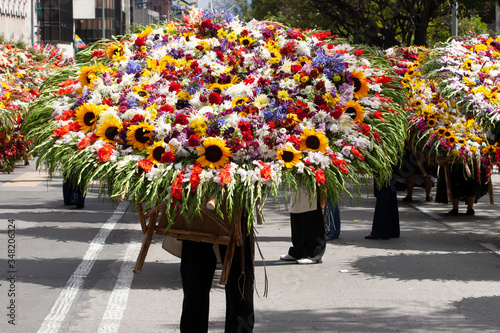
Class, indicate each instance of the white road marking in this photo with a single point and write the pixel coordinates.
(117, 303)
(61, 307)
(491, 247)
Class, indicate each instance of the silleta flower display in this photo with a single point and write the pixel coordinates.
(219, 107)
(21, 73)
(454, 100)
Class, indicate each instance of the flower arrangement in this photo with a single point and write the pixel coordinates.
(219, 107)
(21, 72)
(451, 108)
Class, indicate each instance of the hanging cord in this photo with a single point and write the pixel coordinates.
(266, 281)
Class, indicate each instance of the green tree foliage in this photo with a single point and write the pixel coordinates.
(381, 23)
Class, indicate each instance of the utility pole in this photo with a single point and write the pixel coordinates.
(454, 20)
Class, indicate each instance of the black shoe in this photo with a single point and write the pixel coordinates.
(469, 211)
(428, 198)
(370, 236)
(453, 212)
(407, 199)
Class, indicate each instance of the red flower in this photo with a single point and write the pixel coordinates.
(355, 152)
(320, 176)
(168, 157)
(177, 186)
(265, 170)
(166, 108)
(225, 174)
(295, 68)
(98, 53)
(195, 176)
(105, 152)
(140, 41)
(86, 141)
(145, 164)
(175, 86)
(59, 132)
(339, 163)
(181, 119)
(194, 140)
(214, 98)
(67, 115)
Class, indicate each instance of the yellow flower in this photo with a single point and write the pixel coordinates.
(289, 157)
(239, 101)
(354, 110)
(87, 76)
(213, 153)
(360, 85)
(221, 33)
(246, 41)
(231, 37)
(86, 115)
(431, 122)
(115, 51)
(283, 94)
(467, 64)
(480, 47)
(199, 126)
(145, 32)
(109, 129)
(312, 140)
(304, 60)
(140, 135)
(156, 151)
(330, 100)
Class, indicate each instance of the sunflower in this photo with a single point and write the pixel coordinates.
(312, 140)
(304, 61)
(448, 134)
(239, 101)
(452, 140)
(109, 128)
(289, 156)
(354, 110)
(115, 51)
(213, 153)
(246, 41)
(141, 92)
(140, 135)
(440, 131)
(156, 151)
(431, 122)
(86, 116)
(87, 75)
(360, 85)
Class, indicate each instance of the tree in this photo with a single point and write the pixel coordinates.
(381, 23)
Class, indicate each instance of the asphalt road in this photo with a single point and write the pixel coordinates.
(64, 269)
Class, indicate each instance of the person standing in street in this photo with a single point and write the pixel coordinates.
(308, 229)
(386, 215)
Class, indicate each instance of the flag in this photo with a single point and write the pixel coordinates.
(79, 42)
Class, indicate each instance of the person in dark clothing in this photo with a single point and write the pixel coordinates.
(72, 193)
(308, 231)
(386, 216)
(462, 186)
(198, 263)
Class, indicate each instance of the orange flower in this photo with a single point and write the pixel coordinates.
(144, 164)
(265, 171)
(225, 174)
(320, 176)
(105, 152)
(355, 152)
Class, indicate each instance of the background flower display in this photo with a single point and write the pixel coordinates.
(220, 107)
(21, 73)
(453, 100)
